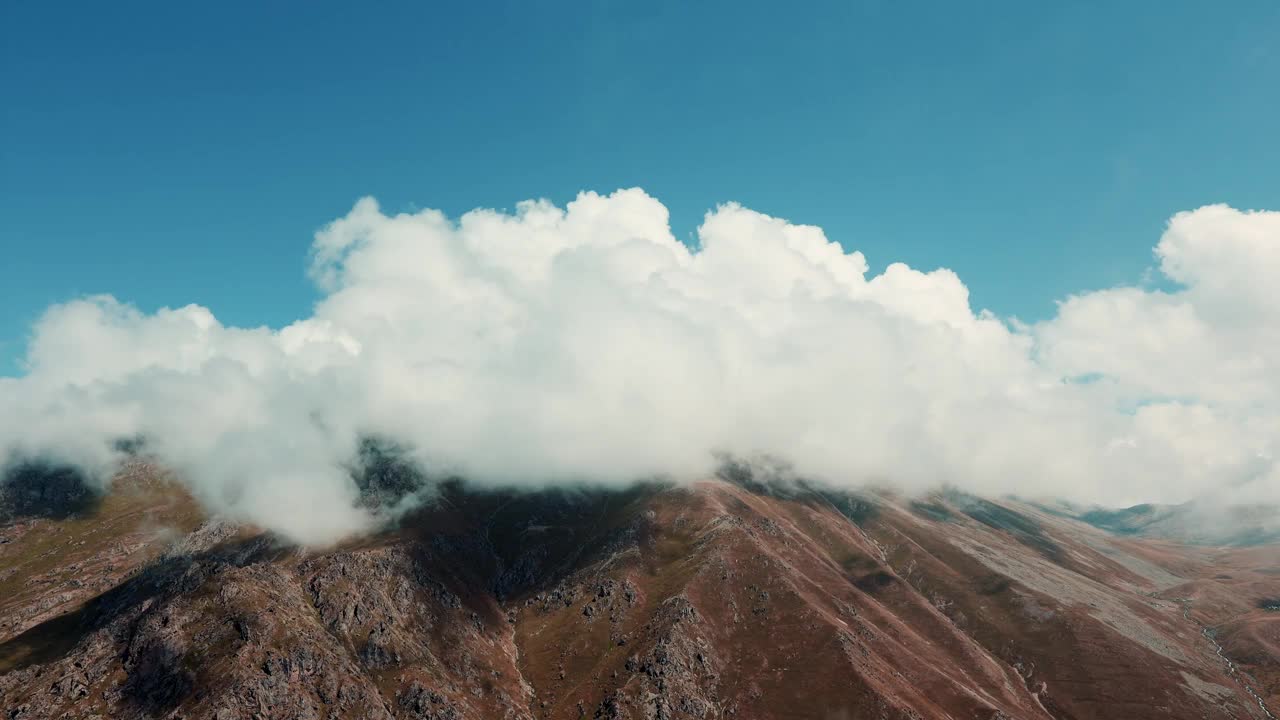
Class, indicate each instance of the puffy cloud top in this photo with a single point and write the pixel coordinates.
(586, 343)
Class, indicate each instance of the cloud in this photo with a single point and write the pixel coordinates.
(586, 343)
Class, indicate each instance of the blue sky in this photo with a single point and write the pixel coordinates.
(171, 153)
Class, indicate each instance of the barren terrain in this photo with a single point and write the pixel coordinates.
(724, 599)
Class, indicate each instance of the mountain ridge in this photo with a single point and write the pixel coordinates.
(716, 599)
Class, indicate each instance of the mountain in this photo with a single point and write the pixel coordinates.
(1199, 523)
(727, 598)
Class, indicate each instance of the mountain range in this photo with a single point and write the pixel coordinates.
(728, 598)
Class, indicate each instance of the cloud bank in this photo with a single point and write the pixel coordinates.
(586, 343)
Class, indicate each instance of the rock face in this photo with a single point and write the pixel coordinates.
(718, 600)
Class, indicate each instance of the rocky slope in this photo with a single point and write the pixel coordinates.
(718, 600)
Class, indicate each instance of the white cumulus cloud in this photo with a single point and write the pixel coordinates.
(586, 343)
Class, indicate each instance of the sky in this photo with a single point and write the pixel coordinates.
(1037, 149)
(1016, 249)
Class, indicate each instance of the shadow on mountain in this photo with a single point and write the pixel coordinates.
(157, 680)
(776, 479)
(512, 542)
(1023, 529)
(34, 489)
(934, 511)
